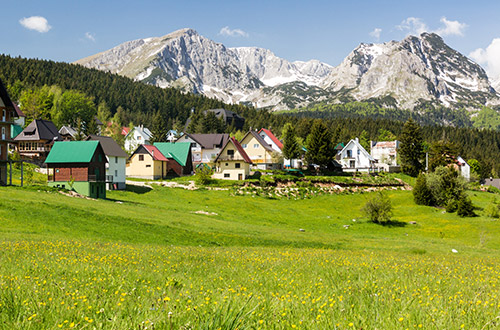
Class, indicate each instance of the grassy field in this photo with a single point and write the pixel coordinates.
(168, 258)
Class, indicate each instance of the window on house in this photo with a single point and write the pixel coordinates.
(230, 152)
(244, 145)
(141, 158)
(227, 164)
(359, 151)
(256, 145)
(226, 175)
(193, 145)
(237, 165)
(148, 165)
(139, 138)
(116, 172)
(349, 153)
(116, 160)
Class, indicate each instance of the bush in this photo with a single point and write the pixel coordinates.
(465, 207)
(203, 175)
(378, 208)
(492, 210)
(445, 184)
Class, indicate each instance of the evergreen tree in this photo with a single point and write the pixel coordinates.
(465, 208)
(91, 127)
(320, 149)
(412, 149)
(421, 192)
(291, 147)
(159, 128)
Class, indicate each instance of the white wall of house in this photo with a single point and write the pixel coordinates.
(134, 138)
(355, 156)
(196, 151)
(464, 168)
(270, 141)
(385, 152)
(116, 167)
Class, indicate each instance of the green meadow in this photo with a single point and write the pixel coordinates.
(169, 258)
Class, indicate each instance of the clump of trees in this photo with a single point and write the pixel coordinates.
(444, 188)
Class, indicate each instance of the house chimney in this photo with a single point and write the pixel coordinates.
(356, 139)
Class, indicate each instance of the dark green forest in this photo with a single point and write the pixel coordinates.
(142, 103)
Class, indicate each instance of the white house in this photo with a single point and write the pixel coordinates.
(464, 168)
(137, 135)
(204, 147)
(385, 153)
(353, 157)
(116, 157)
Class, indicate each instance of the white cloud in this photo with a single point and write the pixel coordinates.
(451, 28)
(489, 58)
(37, 23)
(226, 31)
(376, 33)
(413, 25)
(416, 26)
(89, 36)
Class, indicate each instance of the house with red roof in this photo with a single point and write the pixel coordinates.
(160, 160)
(271, 139)
(262, 154)
(232, 162)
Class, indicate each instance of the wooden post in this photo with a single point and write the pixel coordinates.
(22, 172)
(10, 165)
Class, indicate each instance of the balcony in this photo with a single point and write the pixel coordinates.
(230, 157)
(100, 178)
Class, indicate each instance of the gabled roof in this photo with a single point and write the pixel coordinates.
(39, 129)
(360, 147)
(152, 150)
(238, 147)
(259, 139)
(210, 141)
(272, 137)
(68, 130)
(145, 132)
(178, 151)
(72, 152)
(125, 130)
(110, 147)
(385, 144)
(19, 112)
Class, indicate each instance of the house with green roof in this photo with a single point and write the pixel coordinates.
(78, 166)
(179, 157)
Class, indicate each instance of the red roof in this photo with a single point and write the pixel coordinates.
(125, 130)
(19, 112)
(239, 148)
(272, 137)
(155, 153)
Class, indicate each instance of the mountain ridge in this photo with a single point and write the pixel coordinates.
(414, 71)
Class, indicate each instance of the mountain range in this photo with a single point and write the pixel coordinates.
(418, 70)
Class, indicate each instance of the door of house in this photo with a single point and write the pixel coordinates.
(240, 176)
(3, 133)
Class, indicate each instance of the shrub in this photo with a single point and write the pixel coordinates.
(445, 184)
(492, 210)
(203, 175)
(378, 208)
(465, 207)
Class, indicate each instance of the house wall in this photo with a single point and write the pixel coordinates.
(270, 141)
(147, 168)
(133, 140)
(116, 167)
(90, 189)
(77, 172)
(6, 117)
(359, 158)
(226, 169)
(196, 150)
(3, 173)
(258, 155)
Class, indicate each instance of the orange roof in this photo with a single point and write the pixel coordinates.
(125, 130)
(272, 137)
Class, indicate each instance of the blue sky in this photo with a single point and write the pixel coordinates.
(295, 30)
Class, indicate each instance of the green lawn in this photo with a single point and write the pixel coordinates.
(145, 256)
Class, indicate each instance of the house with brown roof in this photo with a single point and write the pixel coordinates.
(36, 140)
(232, 163)
(7, 116)
(261, 153)
(204, 147)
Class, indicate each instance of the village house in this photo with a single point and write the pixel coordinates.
(147, 162)
(261, 153)
(68, 133)
(19, 121)
(353, 157)
(204, 147)
(8, 114)
(137, 136)
(271, 139)
(385, 153)
(116, 161)
(463, 168)
(78, 166)
(36, 140)
(232, 163)
(179, 160)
